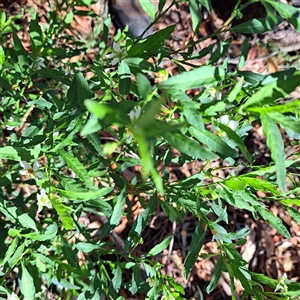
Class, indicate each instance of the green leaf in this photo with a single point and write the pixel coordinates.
(69, 254)
(26, 221)
(240, 273)
(148, 7)
(26, 284)
(189, 146)
(195, 14)
(239, 183)
(138, 63)
(290, 13)
(84, 196)
(263, 279)
(49, 234)
(273, 220)
(118, 209)
(160, 247)
(243, 58)
(86, 247)
(78, 92)
(76, 166)
(287, 107)
(256, 25)
(36, 35)
(196, 245)
(64, 214)
(9, 252)
(239, 142)
(191, 113)
(15, 153)
(147, 47)
(115, 282)
(275, 144)
(23, 58)
(213, 142)
(144, 86)
(94, 138)
(236, 89)
(125, 78)
(206, 4)
(293, 213)
(285, 121)
(193, 79)
(146, 158)
(216, 276)
(271, 92)
(2, 56)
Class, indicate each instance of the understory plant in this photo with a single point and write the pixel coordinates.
(78, 114)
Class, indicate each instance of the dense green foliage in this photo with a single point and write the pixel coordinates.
(86, 123)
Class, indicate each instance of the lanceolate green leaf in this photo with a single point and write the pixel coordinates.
(64, 213)
(268, 94)
(125, 78)
(213, 142)
(160, 247)
(286, 107)
(195, 14)
(216, 276)
(273, 220)
(149, 8)
(145, 48)
(26, 221)
(256, 26)
(196, 244)
(232, 135)
(286, 121)
(189, 146)
(192, 79)
(26, 284)
(11, 249)
(15, 153)
(118, 209)
(275, 143)
(290, 13)
(76, 167)
(84, 196)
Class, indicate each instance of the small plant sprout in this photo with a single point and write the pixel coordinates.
(31, 171)
(117, 55)
(283, 282)
(43, 200)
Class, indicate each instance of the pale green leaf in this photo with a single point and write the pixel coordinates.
(26, 221)
(275, 144)
(84, 196)
(193, 79)
(26, 284)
